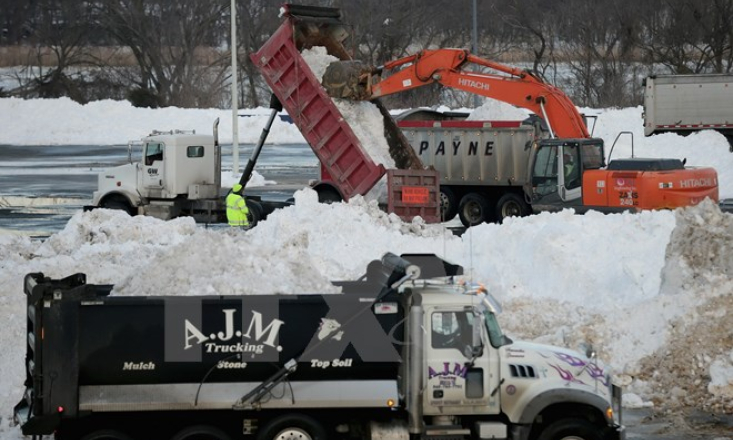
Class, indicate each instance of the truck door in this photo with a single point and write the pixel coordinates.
(153, 169)
(461, 369)
(556, 176)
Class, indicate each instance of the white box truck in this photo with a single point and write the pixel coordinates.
(687, 103)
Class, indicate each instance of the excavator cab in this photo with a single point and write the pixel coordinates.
(557, 167)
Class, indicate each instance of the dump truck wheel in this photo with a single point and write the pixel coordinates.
(474, 209)
(571, 429)
(106, 434)
(292, 427)
(328, 196)
(201, 432)
(511, 205)
(448, 204)
(255, 212)
(118, 202)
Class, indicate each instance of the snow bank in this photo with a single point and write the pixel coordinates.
(651, 292)
(65, 122)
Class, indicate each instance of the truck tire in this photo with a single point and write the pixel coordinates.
(118, 202)
(106, 434)
(511, 205)
(328, 195)
(474, 209)
(571, 429)
(448, 204)
(201, 432)
(255, 212)
(292, 427)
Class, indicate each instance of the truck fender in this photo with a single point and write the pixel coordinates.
(132, 198)
(561, 396)
(327, 192)
(120, 200)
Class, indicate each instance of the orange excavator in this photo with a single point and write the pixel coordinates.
(565, 168)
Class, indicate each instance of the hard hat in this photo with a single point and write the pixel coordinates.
(236, 188)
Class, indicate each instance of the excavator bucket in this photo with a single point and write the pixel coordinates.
(348, 80)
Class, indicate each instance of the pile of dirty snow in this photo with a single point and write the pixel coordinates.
(695, 367)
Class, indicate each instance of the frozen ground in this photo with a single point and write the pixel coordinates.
(652, 291)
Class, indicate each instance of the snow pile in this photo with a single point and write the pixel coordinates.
(343, 238)
(107, 122)
(493, 110)
(695, 367)
(563, 278)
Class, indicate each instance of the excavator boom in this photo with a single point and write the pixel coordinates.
(447, 67)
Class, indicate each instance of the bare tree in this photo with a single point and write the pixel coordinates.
(532, 24)
(715, 21)
(600, 50)
(59, 44)
(257, 20)
(17, 21)
(168, 39)
(688, 36)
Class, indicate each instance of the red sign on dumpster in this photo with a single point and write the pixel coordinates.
(415, 195)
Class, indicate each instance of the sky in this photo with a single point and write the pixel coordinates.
(651, 291)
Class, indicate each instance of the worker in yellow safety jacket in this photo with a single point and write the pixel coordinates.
(237, 210)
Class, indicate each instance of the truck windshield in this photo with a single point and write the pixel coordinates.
(496, 337)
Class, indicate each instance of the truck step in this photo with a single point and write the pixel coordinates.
(446, 432)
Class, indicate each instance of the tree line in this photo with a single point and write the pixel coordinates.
(177, 52)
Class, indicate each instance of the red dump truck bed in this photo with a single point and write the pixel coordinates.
(314, 113)
(343, 159)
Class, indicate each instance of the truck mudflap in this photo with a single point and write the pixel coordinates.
(414, 193)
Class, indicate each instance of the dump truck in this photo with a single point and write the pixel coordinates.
(687, 103)
(404, 352)
(489, 176)
(178, 174)
(347, 168)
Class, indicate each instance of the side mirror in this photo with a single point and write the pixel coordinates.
(472, 353)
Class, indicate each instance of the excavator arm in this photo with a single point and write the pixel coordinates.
(446, 66)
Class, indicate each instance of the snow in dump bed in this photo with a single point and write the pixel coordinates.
(493, 110)
(652, 292)
(363, 117)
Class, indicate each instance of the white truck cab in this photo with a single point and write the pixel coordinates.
(473, 380)
(179, 173)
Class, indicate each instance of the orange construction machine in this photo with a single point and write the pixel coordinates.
(562, 166)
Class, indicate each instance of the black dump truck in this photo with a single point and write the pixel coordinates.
(404, 352)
